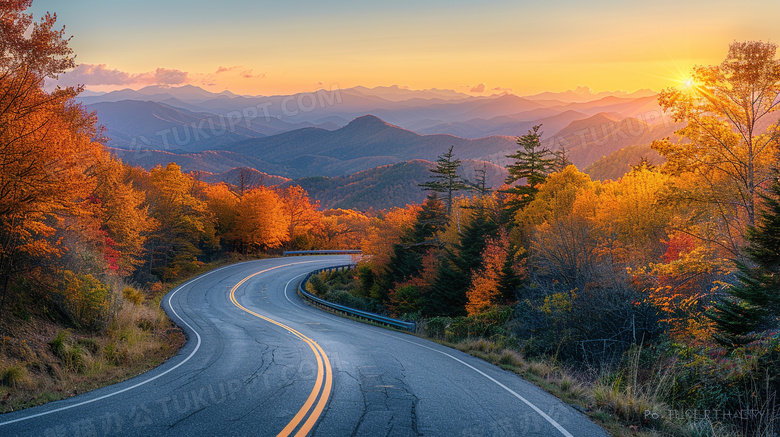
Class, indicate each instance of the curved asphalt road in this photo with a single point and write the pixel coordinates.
(259, 361)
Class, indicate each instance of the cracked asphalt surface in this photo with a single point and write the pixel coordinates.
(247, 376)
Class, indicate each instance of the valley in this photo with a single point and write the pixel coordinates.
(343, 138)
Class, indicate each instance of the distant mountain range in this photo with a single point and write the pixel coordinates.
(341, 133)
(364, 143)
(585, 94)
(423, 111)
(136, 124)
(367, 142)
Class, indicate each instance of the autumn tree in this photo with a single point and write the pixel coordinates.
(485, 287)
(45, 156)
(563, 234)
(223, 202)
(630, 218)
(245, 180)
(533, 162)
(406, 260)
(122, 213)
(46, 148)
(342, 228)
(301, 216)
(42, 53)
(384, 232)
(261, 223)
(448, 295)
(728, 146)
(184, 225)
(753, 305)
(445, 178)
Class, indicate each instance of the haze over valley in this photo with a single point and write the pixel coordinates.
(336, 133)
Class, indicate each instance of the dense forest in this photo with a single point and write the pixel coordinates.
(660, 288)
(662, 285)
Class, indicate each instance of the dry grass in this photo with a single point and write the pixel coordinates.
(618, 406)
(41, 362)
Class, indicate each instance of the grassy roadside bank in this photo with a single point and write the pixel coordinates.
(44, 358)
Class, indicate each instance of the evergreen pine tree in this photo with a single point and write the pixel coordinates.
(561, 159)
(753, 305)
(407, 255)
(445, 178)
(479, 187)
(533, 162)
(448, 297)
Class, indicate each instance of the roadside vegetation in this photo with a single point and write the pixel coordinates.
(651, 301)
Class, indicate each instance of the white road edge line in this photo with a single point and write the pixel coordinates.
(197, 346)
(515, 394)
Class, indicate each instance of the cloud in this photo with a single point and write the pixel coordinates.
(501, 90)
(222, 69)
(167, 76)
(247, 74)
(91, 74)
(101, 74)
(479, 88)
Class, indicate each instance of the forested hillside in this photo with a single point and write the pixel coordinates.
(390, 186)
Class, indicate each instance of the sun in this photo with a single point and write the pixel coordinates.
(687, 83)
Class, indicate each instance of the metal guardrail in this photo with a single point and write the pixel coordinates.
(395, 323)
(323, 252)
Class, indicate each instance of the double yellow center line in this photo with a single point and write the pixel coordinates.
(322, 386)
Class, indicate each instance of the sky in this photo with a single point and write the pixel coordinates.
(525, 47)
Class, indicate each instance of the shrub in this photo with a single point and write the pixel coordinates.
(437, 327)
(91, 345)
(112, 354)
(72, 355)
(86, 299)
(316, 286)
(59, 343)
(511, 358)
(133, 296)
(485, 324)
(14, 376)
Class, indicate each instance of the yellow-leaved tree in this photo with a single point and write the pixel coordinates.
(185, 226)
(726, 151)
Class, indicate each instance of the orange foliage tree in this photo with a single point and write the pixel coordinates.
(260, 221)
(342, 229)
(485, 282)
(45, 144)
(386, 231)
(301, 215)
(122, 213)
(223, 202)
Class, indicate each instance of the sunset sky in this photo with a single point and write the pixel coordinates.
(264, 48)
